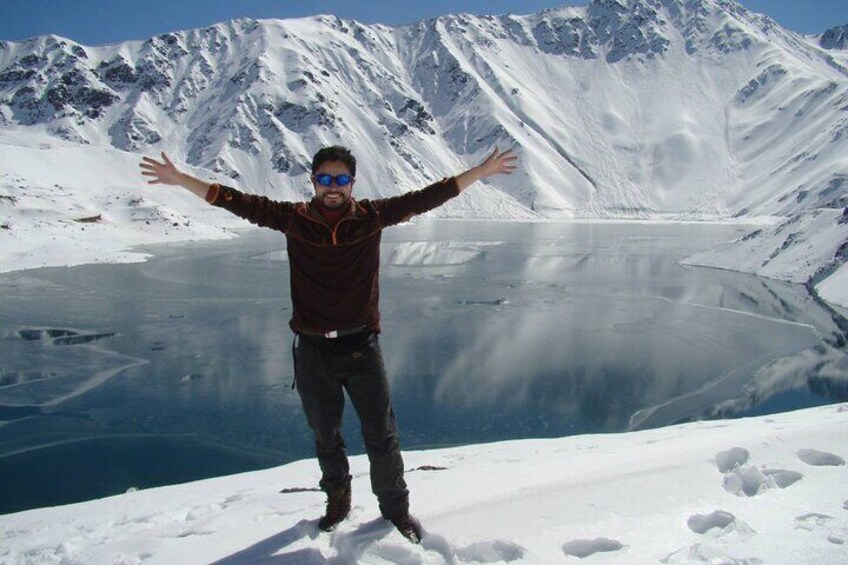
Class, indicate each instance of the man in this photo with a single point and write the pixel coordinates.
(333, 244)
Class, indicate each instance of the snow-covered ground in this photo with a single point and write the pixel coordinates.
(770, 489)
(47, 186)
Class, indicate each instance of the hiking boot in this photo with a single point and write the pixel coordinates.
(409, 527)
(338, 507)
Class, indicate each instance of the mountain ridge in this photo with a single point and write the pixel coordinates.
(220, 89)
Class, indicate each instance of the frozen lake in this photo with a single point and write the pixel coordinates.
(119, 376)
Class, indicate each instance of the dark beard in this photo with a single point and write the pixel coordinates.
(341, 205)
(342, 202)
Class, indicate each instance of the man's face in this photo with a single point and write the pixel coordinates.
(333, 196)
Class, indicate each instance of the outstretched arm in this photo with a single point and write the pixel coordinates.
(497, 163)
(259, 210)
(166, 173)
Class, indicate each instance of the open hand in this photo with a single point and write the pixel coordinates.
(495, 164)
(162, 173)
(498, 163)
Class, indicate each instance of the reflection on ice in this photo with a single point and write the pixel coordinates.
(61, 336)
(820, 369)
(56, 374)
(38, 334)
(79, 339)
(599, 333)
(12, 378)
(431, 253)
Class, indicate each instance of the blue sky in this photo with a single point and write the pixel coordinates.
(97, 22)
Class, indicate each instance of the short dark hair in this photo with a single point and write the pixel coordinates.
(334, 153)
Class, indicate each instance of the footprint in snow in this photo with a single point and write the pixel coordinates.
(584, 547)
(743, 479)
(812, 521)
(490, 551)
(486, 551)
(350, 545)
(707, 553)
(751, 481)
(391, 553)
(718, 524)
(232, 499)
(815, 522)
(819, 458)
(732, 458)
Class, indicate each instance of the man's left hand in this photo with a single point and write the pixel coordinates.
(495, 164)
(498, 163)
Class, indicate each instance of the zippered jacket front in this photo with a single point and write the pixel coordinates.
(334, 271)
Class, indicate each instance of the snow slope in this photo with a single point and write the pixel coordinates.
(806, 248)
(49, 187)
(760, 490)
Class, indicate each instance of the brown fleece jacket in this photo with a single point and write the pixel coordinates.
(334, 271)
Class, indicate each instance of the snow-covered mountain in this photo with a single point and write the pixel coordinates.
(622, 108)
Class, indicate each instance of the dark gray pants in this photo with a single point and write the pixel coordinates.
(323, 367)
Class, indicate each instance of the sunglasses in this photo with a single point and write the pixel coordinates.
(327, 180)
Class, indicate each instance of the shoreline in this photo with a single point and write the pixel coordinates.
(89, 250)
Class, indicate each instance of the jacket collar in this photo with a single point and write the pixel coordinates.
(311, 211)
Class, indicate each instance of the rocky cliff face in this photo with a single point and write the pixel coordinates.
(835, 38)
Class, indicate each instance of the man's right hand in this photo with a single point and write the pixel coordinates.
(162, 173)
(166, 172)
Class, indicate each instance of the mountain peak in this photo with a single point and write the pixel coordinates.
(835, 38)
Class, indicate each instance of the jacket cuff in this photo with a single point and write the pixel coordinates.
(452, 182)
(212, 194)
